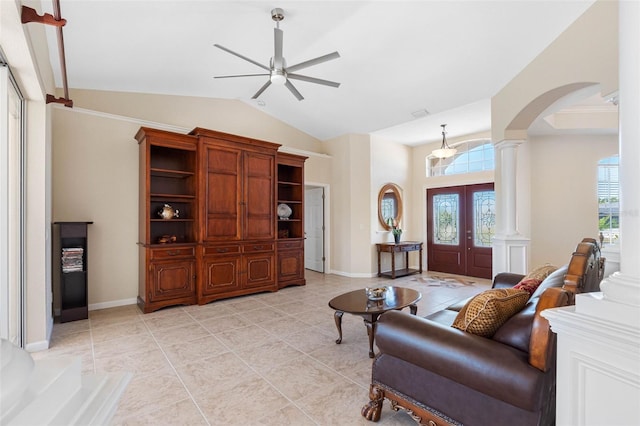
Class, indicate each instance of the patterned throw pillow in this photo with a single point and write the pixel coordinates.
(541, 272)
(528, 284)
(485, 313)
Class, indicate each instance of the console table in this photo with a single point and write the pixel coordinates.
(403, 247)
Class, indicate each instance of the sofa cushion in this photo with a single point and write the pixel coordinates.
(541, 272)
(555, 279)
(516, 331)
(457, 307)
(444, 317)
(487, 311)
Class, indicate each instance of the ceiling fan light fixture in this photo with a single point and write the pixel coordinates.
(445, 151)
(278, 77)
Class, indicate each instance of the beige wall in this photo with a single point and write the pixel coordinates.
(361, 165)
(564, 193)
(95, 163)
(350, 224)
(187, 112)
(390, 163)
(317, 168)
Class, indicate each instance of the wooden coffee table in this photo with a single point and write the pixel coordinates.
(357, 303)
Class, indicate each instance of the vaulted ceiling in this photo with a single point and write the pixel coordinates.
(398, 58)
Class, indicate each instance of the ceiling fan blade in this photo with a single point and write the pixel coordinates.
(315, 61)
(313, 80)
(242, 57)
(293, 90)
(239, 75)
(277, 42)
(262, 89)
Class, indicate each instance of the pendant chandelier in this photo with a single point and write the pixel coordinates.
(444, 151)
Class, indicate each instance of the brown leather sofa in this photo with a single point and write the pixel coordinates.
(445, 376)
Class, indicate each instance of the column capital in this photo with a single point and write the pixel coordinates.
(508, 143)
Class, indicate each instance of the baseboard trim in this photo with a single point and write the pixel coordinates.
(112, 304)
(353, 275)
(42, 345)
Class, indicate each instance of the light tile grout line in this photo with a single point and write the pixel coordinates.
(93, 350)
(256, 371)
(176, 371)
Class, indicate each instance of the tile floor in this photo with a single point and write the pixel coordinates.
(264, 359)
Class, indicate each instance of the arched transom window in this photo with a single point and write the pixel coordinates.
(472, 156)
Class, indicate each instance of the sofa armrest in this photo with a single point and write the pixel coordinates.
(542, 341)
(506, 280)
(479, 363)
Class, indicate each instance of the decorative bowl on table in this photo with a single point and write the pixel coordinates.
(377, 293)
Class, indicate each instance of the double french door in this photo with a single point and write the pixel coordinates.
(460, 229)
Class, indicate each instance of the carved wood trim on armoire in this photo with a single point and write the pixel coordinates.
(209, 227)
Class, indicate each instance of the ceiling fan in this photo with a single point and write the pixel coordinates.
(278, 71)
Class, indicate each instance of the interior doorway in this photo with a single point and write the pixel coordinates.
(314, 226)
(460, 229)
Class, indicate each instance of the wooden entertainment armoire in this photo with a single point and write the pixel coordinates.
(225, 238)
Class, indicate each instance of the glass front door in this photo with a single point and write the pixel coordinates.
(460, 229)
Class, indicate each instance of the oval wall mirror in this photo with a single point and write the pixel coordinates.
(389, 205)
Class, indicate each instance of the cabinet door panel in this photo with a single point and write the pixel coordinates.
(259, 195)
(290, 265)
(172, 280)
(222, 228)
(223, 198)
(259, 269)
(220, 275)
(222, 193)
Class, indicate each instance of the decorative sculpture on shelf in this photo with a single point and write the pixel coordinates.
(166, 239)
(168, 212)
(284, 211)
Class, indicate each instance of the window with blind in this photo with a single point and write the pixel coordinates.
(609, 199)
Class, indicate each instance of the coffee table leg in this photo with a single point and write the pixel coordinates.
(413, 309)
(337, 316)
(371, 331)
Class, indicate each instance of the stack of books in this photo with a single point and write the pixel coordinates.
(72, 259)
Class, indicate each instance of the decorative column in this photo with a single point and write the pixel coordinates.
(510, 248)
(598, 380)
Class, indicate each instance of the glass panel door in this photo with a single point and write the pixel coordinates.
(446, 217)
(484, 218)
(11, 210)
